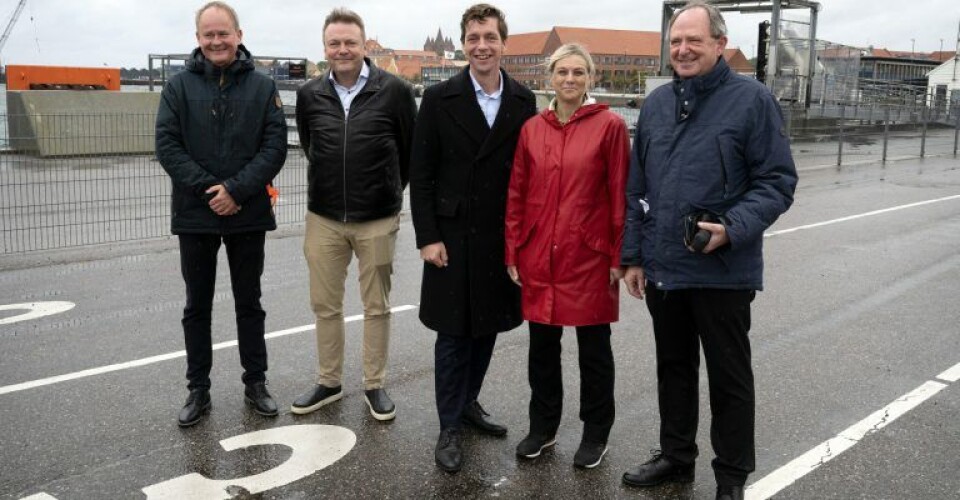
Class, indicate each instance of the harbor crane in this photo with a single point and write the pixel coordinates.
(13, 20)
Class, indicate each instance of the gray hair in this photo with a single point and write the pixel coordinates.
(571, 49)
(718, 27)
(222, 6)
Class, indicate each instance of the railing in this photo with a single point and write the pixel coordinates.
(69, 183)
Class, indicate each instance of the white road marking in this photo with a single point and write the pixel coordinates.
(34, 310)
(164, 357)
(315, 447)
(951, 375)
(779, 479)
(860, 216)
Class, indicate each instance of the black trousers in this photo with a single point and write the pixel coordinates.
(719, 320)
(460, 364)
(597, 407)
(198, 263)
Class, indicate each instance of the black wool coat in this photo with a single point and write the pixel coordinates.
(459, 174)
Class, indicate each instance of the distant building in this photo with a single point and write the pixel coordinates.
(620, 55)
(438, 72)
(439, 45)
(403, 63)
(899, 67)
(943, 84)
(738, 62)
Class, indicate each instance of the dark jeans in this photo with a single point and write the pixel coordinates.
(198, 263)
(683, 320)
(597, 408)
(460, 363)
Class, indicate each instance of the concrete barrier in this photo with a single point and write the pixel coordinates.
(72, 123)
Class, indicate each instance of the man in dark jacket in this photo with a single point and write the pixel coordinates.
(355, 124)
(713, 170)
(466, 134)
(222, 137)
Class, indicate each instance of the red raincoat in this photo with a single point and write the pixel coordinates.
(565, 213)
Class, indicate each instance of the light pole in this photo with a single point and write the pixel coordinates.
(913, 44)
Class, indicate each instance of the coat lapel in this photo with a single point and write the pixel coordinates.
(508, 118)
(464, 109)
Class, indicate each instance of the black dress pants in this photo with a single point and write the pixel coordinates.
(719, 320)
(198, 264)
(460, 364)
(597, 407)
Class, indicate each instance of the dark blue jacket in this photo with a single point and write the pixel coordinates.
(711, 143)
(221, 127)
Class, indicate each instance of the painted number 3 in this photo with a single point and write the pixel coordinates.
(315, 447)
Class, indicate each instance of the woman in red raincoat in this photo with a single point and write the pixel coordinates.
(564, 225)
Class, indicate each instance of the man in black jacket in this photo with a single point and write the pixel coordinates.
(222, 137)
(355, 124)
(467, 130)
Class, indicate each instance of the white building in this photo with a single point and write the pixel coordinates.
(943, 82)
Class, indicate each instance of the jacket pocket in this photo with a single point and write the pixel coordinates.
(733, 167)
(596, 242)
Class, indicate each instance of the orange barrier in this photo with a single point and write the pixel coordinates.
(22, 77)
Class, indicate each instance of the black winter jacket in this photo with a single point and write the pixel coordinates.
(359, 165)
(221, 127)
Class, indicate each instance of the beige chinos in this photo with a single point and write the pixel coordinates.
(328, 247)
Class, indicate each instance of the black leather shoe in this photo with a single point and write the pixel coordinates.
(381, 407)
(475, 416)
(256, 395)
(729, 492)
(315, 398)
(198, 403)
(449, 451)
(658, 470)
(589, 455)
(533, 445)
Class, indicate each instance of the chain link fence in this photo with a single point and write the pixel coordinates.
(74, 182)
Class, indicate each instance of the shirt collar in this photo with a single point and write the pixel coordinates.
(364, 75)
(479, 90)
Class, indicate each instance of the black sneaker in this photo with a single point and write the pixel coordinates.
(533, 445)
(381, 407)
(315, 398)
(589, 455)
(256, 395)
(198, 403)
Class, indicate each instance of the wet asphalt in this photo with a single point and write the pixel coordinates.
(854, 315)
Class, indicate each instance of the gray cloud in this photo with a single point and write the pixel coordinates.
(122, 33)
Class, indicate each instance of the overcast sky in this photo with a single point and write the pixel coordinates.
(121, 33)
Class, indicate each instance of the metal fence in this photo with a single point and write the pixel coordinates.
(58, 191)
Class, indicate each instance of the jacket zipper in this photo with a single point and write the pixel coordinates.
(346, 123)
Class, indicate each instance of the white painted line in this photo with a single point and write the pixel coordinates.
(860, 216)
(163, 357)
(951, 375)
(779, 479)
(34, 310)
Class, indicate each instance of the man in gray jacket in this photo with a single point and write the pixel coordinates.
(355, 124)
(713, 170)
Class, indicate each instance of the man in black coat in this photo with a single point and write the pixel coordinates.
(222, 137)
(464, 141)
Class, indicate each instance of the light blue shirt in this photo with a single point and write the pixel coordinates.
(347, 94)
(489, 103)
